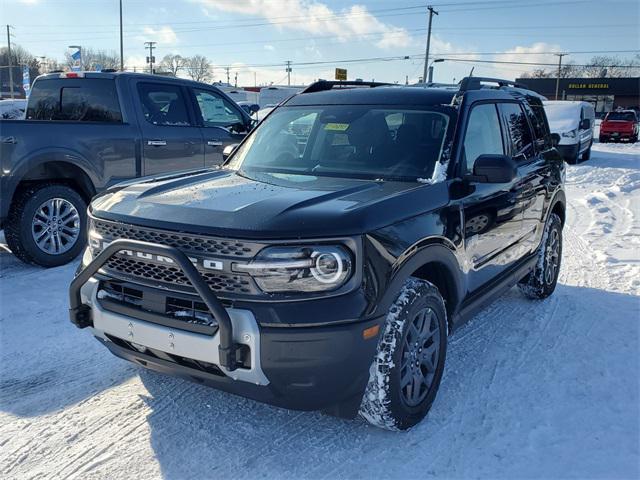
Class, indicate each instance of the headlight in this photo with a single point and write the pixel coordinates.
(570, 134)
(318, 268)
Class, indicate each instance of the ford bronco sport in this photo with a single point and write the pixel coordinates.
(323, 266)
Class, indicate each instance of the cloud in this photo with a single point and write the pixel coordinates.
(317, 18)
(532, 54)
(163, 35)
(269, 48)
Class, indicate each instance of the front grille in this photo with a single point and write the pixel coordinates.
(185, 242)
(146, 271)
(218, 282)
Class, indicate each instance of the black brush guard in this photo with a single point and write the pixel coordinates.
(80, 314)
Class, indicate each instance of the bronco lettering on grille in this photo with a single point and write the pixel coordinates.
(206, 263)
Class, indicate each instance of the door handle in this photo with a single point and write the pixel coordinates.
(9, 140)
(157, 143)
(214, 143)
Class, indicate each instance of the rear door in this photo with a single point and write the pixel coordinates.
(522, 135)
(171, 139)
(492, 212)
(221, 123)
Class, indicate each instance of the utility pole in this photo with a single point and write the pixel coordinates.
(121, 43)
(432, 12)
(10, 60)
(559, 55)
(289, 72)
(235, 82)
(228, 80)
(150, 46)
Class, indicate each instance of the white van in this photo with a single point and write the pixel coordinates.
(574, 122)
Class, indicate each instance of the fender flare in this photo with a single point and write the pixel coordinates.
(415, 258)
(41, 157)
(559, 197)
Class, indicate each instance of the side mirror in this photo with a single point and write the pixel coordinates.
(555, 139)
(494, 169)
(585, 124)
(228, 150)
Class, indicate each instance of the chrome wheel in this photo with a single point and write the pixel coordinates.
(420, 355)
(552, 256)
(55, 226)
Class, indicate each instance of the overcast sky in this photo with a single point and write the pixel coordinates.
(258, 36)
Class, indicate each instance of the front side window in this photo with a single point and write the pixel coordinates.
(216, 111)
(483, 135)
(519, 131)
(356, 141)
(164, 104)
(77, 100)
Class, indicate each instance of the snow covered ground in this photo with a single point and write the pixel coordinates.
(532, 389)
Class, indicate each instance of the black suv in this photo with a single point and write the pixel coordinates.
(323, 266)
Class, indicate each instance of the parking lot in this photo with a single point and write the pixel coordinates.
(547, 389)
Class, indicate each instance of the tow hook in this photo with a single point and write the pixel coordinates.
(81, 316)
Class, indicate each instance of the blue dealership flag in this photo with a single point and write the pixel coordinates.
(77, 55)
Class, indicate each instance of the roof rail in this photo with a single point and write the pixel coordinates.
(475, 83)
(322, 85)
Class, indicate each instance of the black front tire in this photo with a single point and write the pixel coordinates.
(542, 281)
(18, 231)
(391, 399)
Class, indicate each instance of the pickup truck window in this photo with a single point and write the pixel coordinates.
(164, 104)
(216, 111)
(80, 100)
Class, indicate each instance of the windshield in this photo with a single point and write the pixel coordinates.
(356, 141)
(621, 116)
(561, 112)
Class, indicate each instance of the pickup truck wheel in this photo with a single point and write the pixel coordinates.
(47, 225)
(541, 282)
(406, 371)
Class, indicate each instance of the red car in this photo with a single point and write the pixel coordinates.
(619, 125)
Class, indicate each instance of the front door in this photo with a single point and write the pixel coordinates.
(492, 211)
(171, 140)
(221, 123)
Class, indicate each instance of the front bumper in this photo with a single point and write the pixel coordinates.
(569, 152)
(302, 368)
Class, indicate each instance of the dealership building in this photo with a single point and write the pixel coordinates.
(606, 94)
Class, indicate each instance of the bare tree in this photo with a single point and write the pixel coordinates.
(199, 68)
(172, 63)
(92, 58)
(20, 57)
(611, 66)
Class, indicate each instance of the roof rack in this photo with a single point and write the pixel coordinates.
(476, 83)
(322, 85)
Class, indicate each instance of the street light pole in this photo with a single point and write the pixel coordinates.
(288, 72)
(559, 55)
(432, 12)
(121, 43)
(10, 60)
(437, 60)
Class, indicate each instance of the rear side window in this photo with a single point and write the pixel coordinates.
(519, 131)
(164, 104)
(483, 135)
(78, 100)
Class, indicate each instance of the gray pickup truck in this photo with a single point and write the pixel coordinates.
(84, 132)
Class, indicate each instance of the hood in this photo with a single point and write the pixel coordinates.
(266, 205)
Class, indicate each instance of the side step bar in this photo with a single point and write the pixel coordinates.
(80, 314)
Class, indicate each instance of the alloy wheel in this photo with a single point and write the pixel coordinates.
(420, 354)
(55, 226)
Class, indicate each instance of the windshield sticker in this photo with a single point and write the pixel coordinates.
(336, 127)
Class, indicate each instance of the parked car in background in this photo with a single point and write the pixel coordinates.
(574, 123)
(619, 125)
(325, 264)
(12, 109)
(87, 131)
